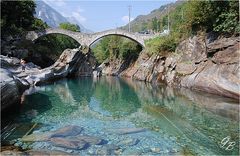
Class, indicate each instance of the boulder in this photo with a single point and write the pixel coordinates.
(67, 131)
(221, 43)
(92, 140)
(11, 89)
(69, 143)
(71, 62)
(229, 55)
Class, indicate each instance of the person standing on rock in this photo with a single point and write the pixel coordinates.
(23, 64)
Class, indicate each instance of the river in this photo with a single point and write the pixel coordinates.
(136, 117)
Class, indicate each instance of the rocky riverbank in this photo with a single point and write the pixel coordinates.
(15, 80)
(200, 63)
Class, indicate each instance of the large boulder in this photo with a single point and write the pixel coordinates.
(71, 62)
(11, 89)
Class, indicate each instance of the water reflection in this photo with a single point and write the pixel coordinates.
(193, 120)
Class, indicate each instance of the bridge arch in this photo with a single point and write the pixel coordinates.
(89, 39)
(127, 35)
(34, 35)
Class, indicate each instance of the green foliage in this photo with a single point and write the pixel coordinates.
(220, 16)
(115, 47)
(53, 45)
(17, 16)
(38, 24)
(162, 44)
(69, 26)
(191, 17)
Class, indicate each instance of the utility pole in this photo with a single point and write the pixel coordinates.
(168, 18)
(129, 17)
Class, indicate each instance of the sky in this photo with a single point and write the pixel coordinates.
(103, 15)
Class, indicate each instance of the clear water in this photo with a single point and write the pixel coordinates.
(176, 121)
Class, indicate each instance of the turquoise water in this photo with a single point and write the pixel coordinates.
(173, 121)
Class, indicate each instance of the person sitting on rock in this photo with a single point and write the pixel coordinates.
(23, 64)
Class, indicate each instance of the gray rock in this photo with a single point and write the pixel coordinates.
(69, 143)
(92, 140)
(67, 131)
(11, 89)
(129, 142)
(185, 68)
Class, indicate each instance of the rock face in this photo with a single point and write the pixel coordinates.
(200, 63)
(217, 70)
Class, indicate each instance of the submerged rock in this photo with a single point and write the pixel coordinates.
(129, 142)
(67, 131)
(92, 140)
(75, 144)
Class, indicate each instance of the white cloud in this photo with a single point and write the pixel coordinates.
(125, 19)
(78, 17)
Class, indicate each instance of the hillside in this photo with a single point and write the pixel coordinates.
(143, 22)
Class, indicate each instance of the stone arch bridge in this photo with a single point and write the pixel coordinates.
(88, 39)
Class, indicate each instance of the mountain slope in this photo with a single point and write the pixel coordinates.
(54, 18)
(141, 21)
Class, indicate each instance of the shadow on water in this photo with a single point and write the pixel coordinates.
(14, 126)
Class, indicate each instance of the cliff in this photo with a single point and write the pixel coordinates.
(200, 63)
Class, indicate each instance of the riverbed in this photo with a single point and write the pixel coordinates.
(130, 117)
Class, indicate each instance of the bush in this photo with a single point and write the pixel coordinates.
(162, 44)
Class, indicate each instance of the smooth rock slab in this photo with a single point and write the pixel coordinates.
(92, 140)
(129, 142)
(67, 131)
(62, 132)
(69, 143)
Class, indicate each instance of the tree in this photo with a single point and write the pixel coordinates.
(17, 16)
(155, 25)
(69, 26)
(115, 47)
(38, 24)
